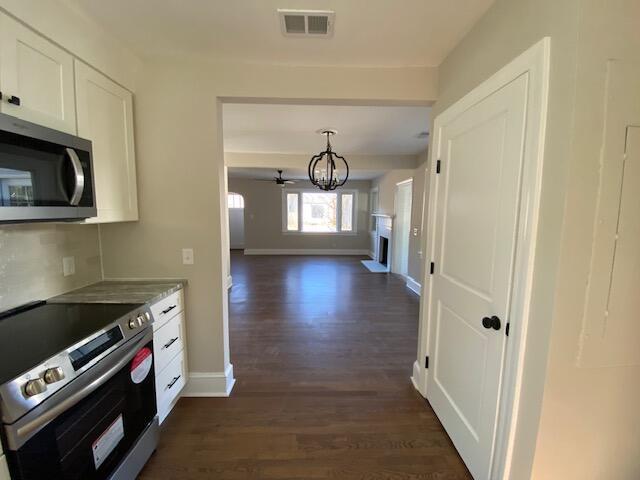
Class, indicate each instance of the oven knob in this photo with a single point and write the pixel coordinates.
(147, 316)
(53, 375)
(34, 387)
(140, 319)
(133, 324)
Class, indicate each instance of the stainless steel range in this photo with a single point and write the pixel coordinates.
(77, 393)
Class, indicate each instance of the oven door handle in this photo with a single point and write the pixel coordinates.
(25, 428)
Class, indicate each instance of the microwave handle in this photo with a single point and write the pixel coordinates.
(37, 419)
(78, 174)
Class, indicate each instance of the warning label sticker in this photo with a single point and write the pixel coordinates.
(141, 365)
(106, 442)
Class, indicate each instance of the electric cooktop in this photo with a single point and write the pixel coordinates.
(35, 332)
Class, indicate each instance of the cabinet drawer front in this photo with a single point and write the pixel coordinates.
(169, 384)
(168, 341)
(167, 308)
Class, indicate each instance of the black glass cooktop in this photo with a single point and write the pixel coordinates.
(32, 334)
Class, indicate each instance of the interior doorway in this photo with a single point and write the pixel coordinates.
(235, 203)
(402, 227)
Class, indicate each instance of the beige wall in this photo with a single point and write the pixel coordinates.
(386, 185)
(263, 218)
(31, 261)
(181, 172)
(590, 420)
(585, 424)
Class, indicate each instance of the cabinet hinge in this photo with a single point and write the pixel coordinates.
(438, 166)
(506, 329)
(426, 362)
(432, 268)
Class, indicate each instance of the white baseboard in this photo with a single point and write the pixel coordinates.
(305, 251)
(372, 255)
(413, 285)
(210, 384)
(416, 377)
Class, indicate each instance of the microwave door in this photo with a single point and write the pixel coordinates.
(42, 183)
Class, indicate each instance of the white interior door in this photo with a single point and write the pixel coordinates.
(476, 216)
(402, 228)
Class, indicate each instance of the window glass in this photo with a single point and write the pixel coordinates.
(319, 212)
(292, 211)
(347, 213)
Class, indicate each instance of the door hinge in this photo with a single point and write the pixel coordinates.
(426, 361)
(438, 166)
(506, 329)
(432, 268)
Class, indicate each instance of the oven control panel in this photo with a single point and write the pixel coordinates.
(28, 390)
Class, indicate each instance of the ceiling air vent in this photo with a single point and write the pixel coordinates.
(309, 23)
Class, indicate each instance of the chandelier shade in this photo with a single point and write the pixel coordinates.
(327, 167)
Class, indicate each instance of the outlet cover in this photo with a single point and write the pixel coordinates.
(68, 266)
(187, 256)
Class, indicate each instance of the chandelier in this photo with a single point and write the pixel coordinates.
(323, 171)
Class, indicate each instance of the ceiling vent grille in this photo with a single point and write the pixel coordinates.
(308, 23)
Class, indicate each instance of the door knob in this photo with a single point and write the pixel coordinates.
(491, 322)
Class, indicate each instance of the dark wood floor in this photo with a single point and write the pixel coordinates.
(322, 351)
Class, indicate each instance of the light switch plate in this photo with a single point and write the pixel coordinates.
(187, 256)
(68, 266)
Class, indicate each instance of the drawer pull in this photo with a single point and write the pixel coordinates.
(167, 310)
(173, 382)
(169, 343)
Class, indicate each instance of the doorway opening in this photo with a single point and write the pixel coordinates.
(402, 227)
(235, 204)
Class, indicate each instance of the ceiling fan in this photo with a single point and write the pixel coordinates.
(280, 181)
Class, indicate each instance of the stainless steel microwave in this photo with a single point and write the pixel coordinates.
(45, 175)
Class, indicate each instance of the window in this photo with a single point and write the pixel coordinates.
(319, 212)
(235, 200)
(292, 211)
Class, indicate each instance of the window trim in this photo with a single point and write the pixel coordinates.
(339, 192)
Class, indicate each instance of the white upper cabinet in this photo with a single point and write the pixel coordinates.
(36, 78)
(105, 116)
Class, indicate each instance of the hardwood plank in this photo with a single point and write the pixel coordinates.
(322, 352)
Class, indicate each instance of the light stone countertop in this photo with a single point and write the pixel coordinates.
(122, 291)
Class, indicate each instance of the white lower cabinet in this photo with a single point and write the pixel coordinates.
(4, 470)
(169, 348)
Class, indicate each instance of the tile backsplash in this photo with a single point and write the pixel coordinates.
(31, 260)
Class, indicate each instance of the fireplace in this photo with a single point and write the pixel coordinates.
(383, 250)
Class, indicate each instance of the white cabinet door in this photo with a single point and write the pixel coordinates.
(105, 116)
(39, 74)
